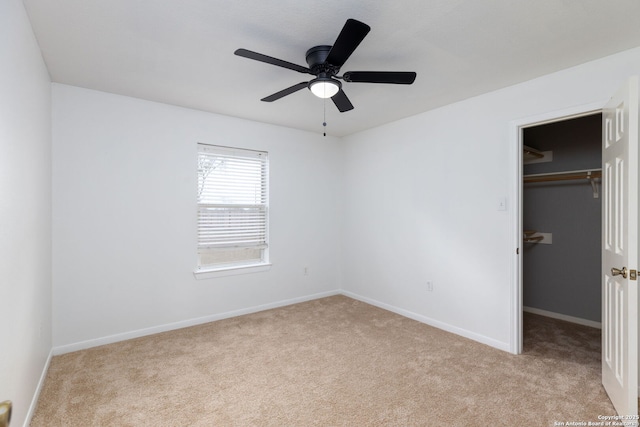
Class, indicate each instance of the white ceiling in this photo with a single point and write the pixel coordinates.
(181, 52)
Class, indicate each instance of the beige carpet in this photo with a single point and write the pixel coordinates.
(329, 362)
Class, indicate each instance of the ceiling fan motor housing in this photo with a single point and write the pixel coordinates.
(317, 57)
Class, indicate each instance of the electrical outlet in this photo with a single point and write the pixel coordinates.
(430, 286)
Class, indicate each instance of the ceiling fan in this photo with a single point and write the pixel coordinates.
(325, 62)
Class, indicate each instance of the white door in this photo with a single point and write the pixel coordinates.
(620, 249)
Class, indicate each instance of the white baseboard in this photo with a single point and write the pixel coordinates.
(431, 322)
(206, 319)
(36, 395)
(564, 317)
(68, 348)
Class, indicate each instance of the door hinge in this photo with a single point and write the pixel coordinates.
(633, 274)
(517, 251)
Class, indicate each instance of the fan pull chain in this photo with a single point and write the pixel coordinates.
(324, 116)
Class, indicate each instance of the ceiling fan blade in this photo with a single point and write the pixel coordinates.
(348, 40)
(341, 101)
(393, 77)
(285, 92)
(270, 60)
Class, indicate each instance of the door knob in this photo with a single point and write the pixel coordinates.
(618, 272)
(5, 413)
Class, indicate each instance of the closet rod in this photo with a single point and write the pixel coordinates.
(564, 176)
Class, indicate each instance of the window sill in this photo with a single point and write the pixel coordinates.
(231, 271)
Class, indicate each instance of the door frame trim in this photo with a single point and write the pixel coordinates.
(516, 172)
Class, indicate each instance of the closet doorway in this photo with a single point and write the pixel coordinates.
(562, 220)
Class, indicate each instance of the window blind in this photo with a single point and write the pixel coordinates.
(232, 202)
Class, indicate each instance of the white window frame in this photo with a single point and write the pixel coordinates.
(214, 241)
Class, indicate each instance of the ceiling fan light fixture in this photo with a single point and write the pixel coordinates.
(324, 87)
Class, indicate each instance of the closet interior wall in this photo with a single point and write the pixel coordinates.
(564, 277)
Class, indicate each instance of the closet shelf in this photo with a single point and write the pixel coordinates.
(532, 236)
(531, 155)
(590, 175)
(529, 151)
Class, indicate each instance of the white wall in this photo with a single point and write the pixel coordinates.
(124, 212)
(422, 201)
(419, 197)
(25, 210)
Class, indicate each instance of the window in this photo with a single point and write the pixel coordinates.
(232, 208)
